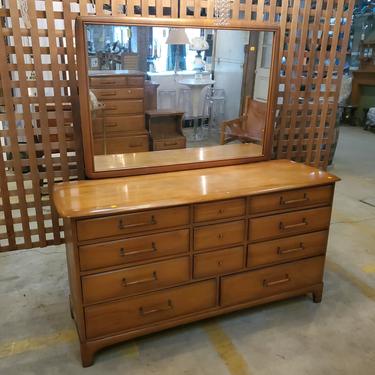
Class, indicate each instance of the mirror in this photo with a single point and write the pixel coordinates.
(171, 96)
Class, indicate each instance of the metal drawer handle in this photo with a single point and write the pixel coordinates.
(281, 251)
(267, 283)
(111, 93)
(282, 226)
(153, 310)
(124, 253)
(126, 283)
(122, 225)
(292, 201)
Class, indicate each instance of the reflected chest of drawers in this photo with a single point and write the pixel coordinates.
(207, 242)
(119, 125)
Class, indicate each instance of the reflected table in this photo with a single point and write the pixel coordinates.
(196, 86)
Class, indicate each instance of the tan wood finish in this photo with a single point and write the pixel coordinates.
(194, 158)
(218, 262)
(138, 246)
(131, 223)
(132, 280)
(219, 210)
(130, 250)
(137, 311)
(257, 284)
(110, 196)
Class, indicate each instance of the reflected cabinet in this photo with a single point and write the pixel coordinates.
(216, 85)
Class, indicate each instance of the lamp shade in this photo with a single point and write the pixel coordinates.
(177, 36)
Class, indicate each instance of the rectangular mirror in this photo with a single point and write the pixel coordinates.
(162, 95)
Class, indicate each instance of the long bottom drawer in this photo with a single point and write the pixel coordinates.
(134, 312)
(252, 285)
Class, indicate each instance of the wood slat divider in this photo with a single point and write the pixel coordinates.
(305, 128)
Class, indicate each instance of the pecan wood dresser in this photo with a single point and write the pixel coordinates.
(150, 252)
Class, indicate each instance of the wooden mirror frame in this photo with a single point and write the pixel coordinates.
(83, 84)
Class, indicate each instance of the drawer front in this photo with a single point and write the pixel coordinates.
(132, 223)
(169, 144)
(121, 283)
(133, 249)
(109, 81)
(124, 145)
(219, 210)
(291, 199)
(120, 124)
(266, 282)
(218, 262)
(123, 93)
(132, 312)
(136, 81)
(219, 235)
(283, 225)
(284, 249)
(122, 107)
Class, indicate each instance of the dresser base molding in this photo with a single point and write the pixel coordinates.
(91, 347)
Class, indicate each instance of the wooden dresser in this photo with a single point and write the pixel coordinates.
(150, 252)
(119, 126)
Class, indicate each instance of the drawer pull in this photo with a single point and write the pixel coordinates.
(282, 226)
(153, 310)
(129, 91)
(267, 283)
(126, 283)
(111, 125)
(220, 236)
(281, 251)
(108, 82)
(111, 93)
(220, 211)
(124, 253)
(219, 263)
(293, 201)
(122, 225)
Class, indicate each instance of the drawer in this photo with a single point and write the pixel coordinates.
(108, 81)
(283, 225)
(266, 282)
(136, 81)
(219, 235)
(119, 125)
(284, 249)
(131, 223)
(133, 249)
(121, 283)
(168, 144)
(132, 312)
(122, 93)
(129, 144)
(291, 199)
(122, 107)
(219, 210)
(218, 262)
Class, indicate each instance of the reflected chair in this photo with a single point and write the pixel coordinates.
(249, 128)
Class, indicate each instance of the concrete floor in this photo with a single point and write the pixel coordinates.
(290, 337)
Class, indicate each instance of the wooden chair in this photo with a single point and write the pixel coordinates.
(247, 128)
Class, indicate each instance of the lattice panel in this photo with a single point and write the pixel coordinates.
(39, 127)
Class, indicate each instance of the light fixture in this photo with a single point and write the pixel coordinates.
(199, 44)
(177, 37)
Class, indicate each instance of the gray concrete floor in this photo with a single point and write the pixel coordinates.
(291, 337)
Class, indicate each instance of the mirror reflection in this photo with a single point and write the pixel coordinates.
(158, 88)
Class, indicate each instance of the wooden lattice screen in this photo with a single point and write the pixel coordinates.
(39, 144)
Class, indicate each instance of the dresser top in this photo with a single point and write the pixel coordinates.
(115, 195)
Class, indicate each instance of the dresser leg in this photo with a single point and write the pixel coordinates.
(317, 294)
(87, 355)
